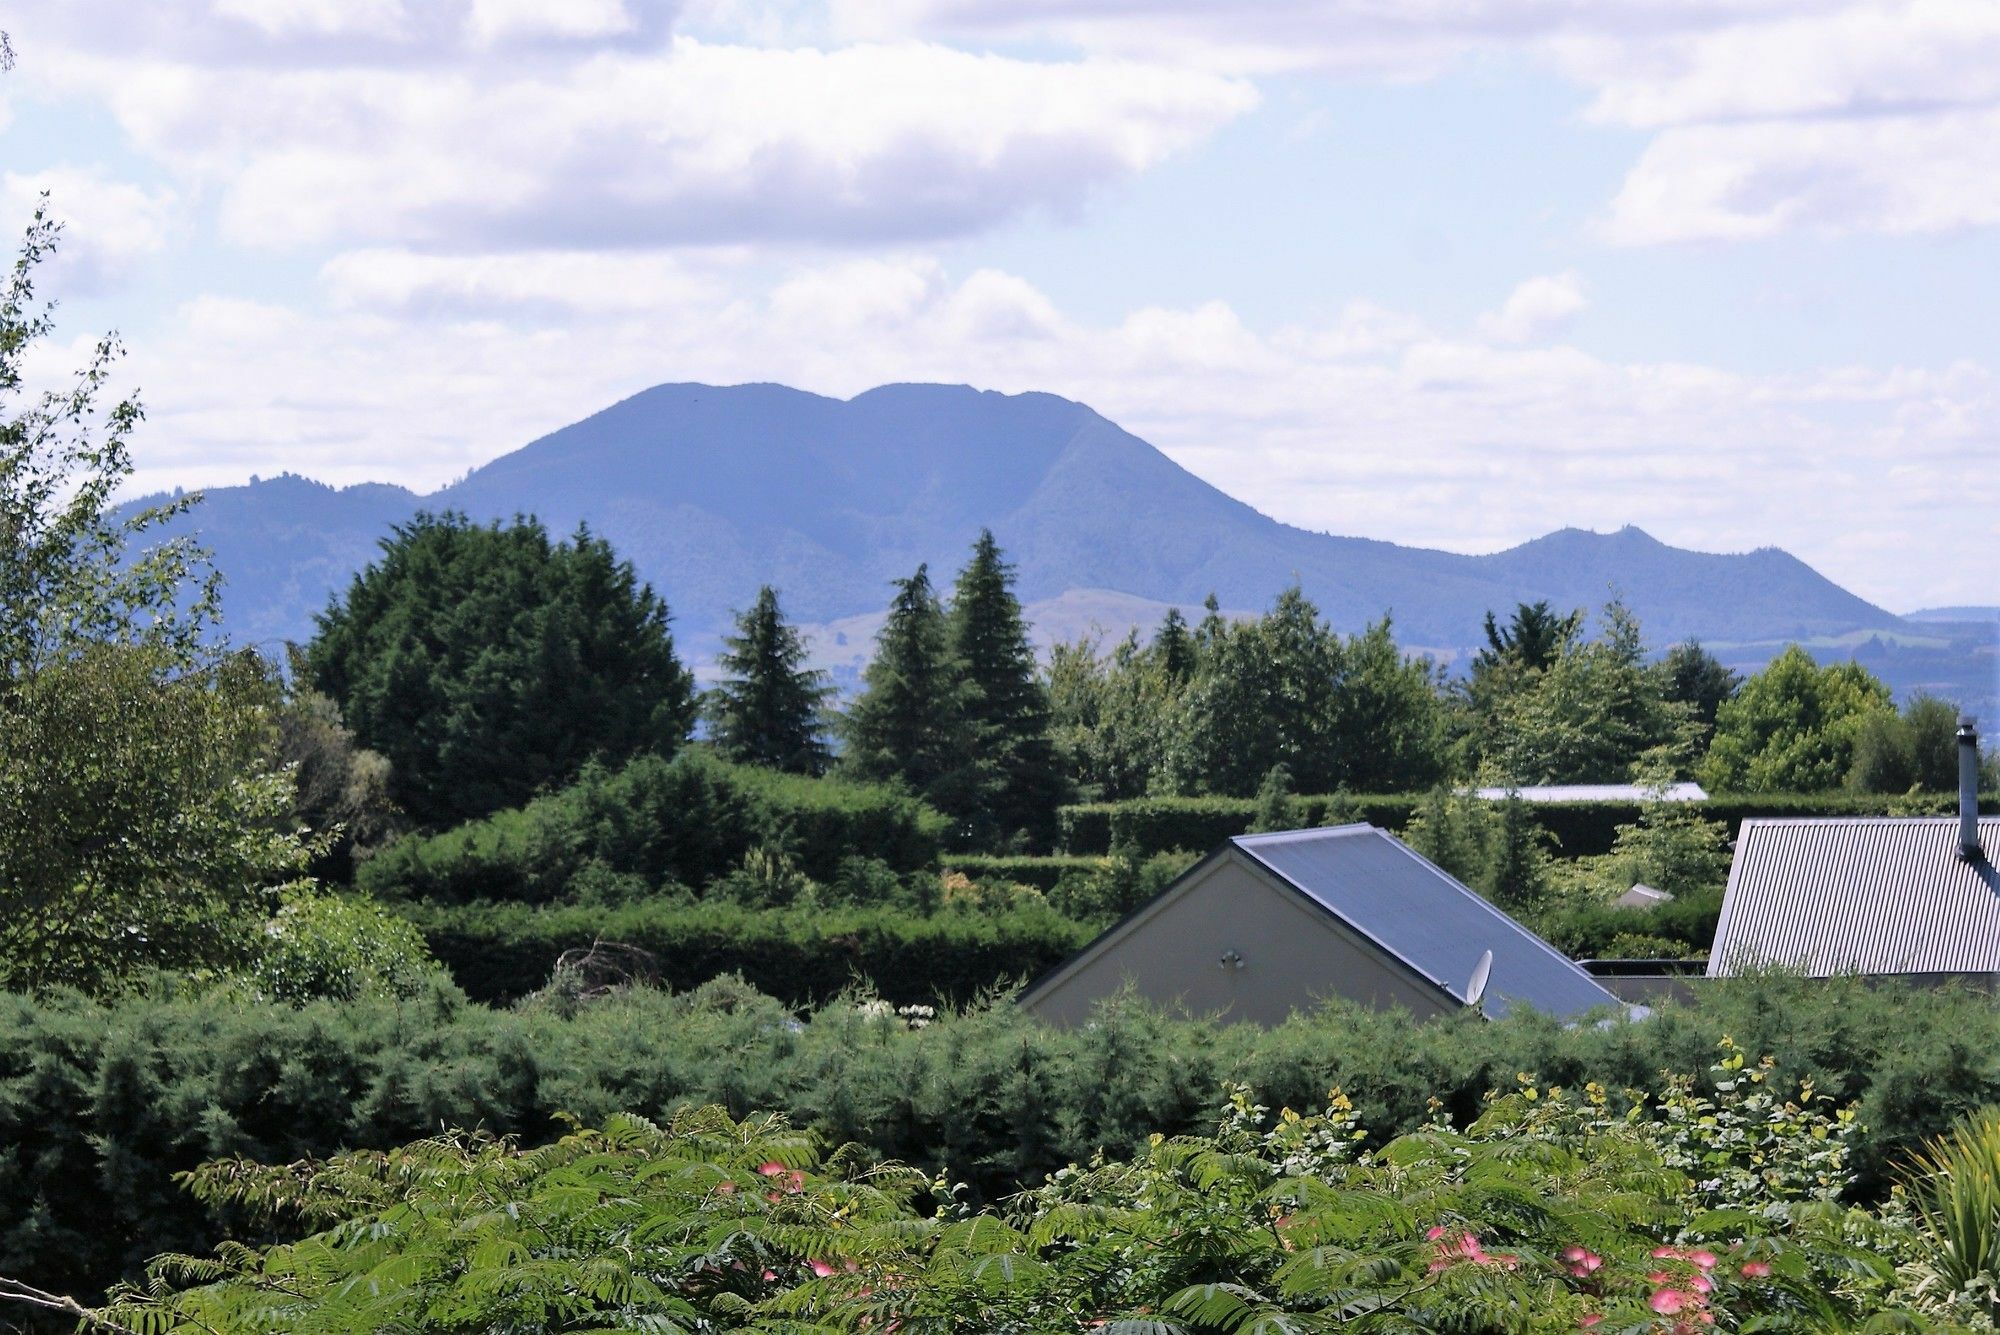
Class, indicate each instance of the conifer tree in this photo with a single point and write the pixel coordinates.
(1006, 705)
(1174, 645)
(770, 707)
(909, 722)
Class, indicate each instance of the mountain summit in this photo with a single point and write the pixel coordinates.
(711, 491)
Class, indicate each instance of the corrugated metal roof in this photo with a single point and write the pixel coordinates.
(1414, 910)
(1599, 792)
(1859, 895)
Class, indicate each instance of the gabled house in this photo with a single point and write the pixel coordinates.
(1269, 924)
(1867, 895)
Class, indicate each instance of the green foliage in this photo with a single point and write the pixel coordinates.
(1585, 716)
(488, 663)
(804, 954)
(908, 724)
(1547, 1213)
(141, 813)
(1916, 749)
(1954, 1188)
(1154, 824)
(1113, 886)
(1111, 714)
(1336, 712)
(338, 948)
(1275, 809)
(681, 1227)
(340, 790)
(1041, 872)
(689, 820)
(769, 709)
(1006, 706)
(101, 1103)
(1696, 678)
(1793, 727)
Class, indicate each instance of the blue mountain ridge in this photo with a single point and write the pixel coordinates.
(711, 491)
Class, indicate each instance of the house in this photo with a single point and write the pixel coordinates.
(1269, 924)
(1599, 792)
(1916, 897)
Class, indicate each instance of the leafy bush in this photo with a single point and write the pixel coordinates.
(100, 1104)
(690, 820)
(1041, 872)
(710, 1223)
(803, 956)
(339, 948)
(1156, 824)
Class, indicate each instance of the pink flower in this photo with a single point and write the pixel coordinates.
(821, 1268)
(1670, 1301)
(1582, 1261)
(1435, 1232)
(1705, 1259)
(1666, 1253)
(770, 1275)
(1702, 1284)
(770, 1168)
(1756, 1270)
(1586, 1322)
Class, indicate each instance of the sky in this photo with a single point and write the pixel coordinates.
(1444, 272)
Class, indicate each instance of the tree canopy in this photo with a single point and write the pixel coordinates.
(488, 662)
(143, 813)
(769, 708)
(1793, 727)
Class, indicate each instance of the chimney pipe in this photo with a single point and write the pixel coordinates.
(1968, 789)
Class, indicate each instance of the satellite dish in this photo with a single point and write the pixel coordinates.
(1476, 988)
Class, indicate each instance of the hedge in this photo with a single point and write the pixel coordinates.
(1157, 824)
(803, 956)
(1041, 872)
(100, 1104)
(688, 820)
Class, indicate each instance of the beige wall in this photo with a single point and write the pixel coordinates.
(1294, 954)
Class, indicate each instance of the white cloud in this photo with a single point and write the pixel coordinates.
(1540, 306)
(531, 283)
(108, 225)
(1891, 174)
(695, 144)
(1368, 423)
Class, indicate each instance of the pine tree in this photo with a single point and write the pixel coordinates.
(1174, 646)
(1006, 705)
(770, 708)
(909, 722)
(1275, 807)
(1518, 875)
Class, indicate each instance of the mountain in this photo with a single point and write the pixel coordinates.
(711, 491)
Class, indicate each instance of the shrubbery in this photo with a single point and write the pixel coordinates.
(689, 820)
(802, 955)
(101, 1103)
(1158, 824)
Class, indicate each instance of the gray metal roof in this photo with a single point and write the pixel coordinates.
(1417, 912)
(1859, 895)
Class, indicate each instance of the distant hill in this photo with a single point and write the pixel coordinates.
(711, 491)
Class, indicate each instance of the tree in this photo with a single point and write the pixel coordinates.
(1793, 727)
(1916, 749)
(487, 663)
(1174, 646)
(909, 724)
(770, 708)
(341, 789)
(1275, 808)
(1694, 677)
(1533, 638)
(142, 816)
(1584, 717)
(1517, 871)
(1006, 706)
(1388, 717)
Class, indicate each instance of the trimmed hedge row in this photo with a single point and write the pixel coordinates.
(1044, 873)
(500, 952)
(1157, 824)
(688, 820)
(100, 1104)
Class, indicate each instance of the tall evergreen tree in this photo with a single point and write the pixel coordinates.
(909, 722)
(1006, 705)
(770, 708)
(1697, 678)
(1174, 645)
